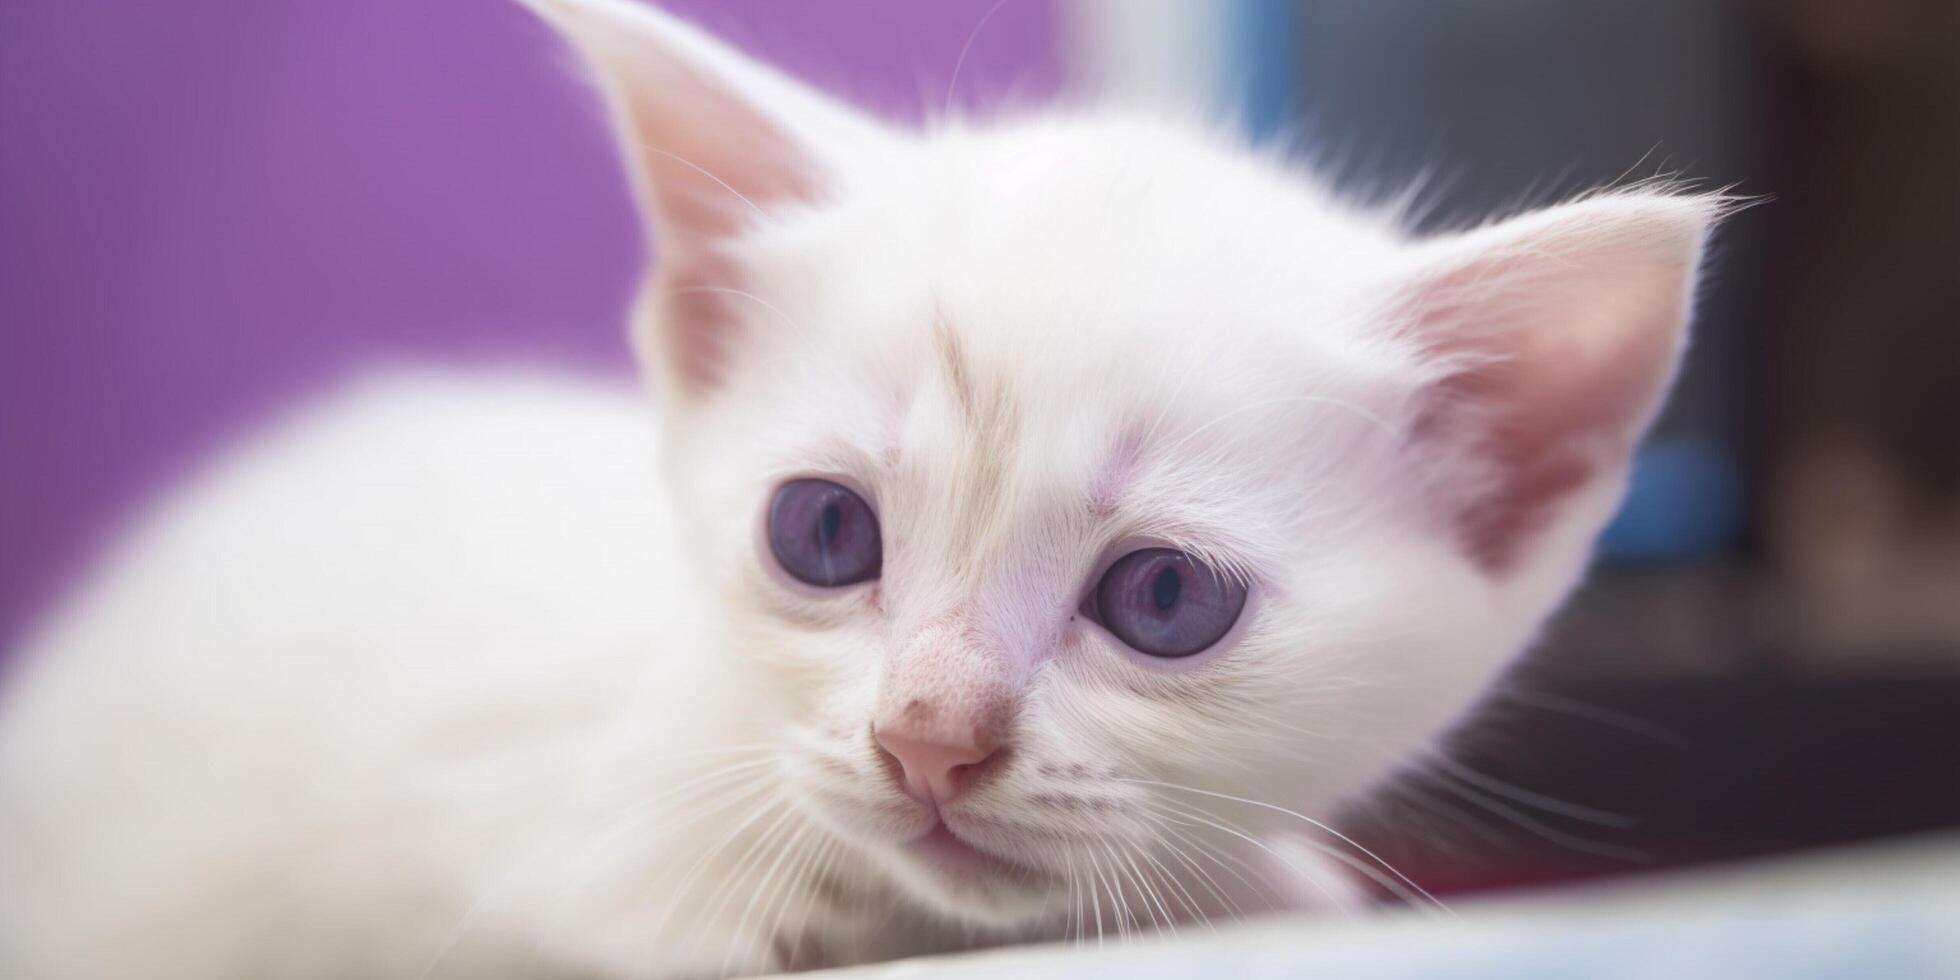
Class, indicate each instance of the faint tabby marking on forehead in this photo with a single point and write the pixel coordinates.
(992, 423)
(1106, 490)
(952, 360)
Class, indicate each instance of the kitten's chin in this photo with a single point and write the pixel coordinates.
(965, 872)
(961, 881)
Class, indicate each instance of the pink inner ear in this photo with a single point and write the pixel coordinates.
(709, 157)
(1530, 469)
(1563, 358)
(709, 163)
(697, 316)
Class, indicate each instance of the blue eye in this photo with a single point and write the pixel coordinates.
(823, 534)
(1163, 603)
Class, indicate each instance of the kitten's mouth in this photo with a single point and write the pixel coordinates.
(944, 849)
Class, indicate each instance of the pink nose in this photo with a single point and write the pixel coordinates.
(935, 770)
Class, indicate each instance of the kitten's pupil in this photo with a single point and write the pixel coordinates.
(828, 524)
(1165, 589)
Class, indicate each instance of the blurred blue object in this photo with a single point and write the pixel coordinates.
(1261, 44)
(1487, 108)
(1685, 502)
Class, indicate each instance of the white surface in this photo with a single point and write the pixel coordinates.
(1886, 911)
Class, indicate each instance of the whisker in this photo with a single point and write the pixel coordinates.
(1233, 865)
(1124, 888)
(1164, 832)
(1439, 810)
(1075, 892)
(1095, 901)
(1118, 908)
(952, 83)
(1277, 856)
(1192, 910)
(700, 863)
(757, 850)
(794, 325)
(1583, 845)
(785, 849)
(1518, 794)
(1150, 895)
(1414, 898)
(832, 851)
(703, 171)
(1560, 704)
(1351, 842)
(1127, 920)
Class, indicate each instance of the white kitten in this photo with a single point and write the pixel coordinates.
(1024, 495)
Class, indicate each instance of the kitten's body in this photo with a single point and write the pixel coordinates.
(481, 676)
(432, 678)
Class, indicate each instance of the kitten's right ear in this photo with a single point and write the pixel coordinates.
(711, 140)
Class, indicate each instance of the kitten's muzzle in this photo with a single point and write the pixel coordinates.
(946, 702)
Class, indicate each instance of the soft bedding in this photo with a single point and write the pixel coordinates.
(1874, 912)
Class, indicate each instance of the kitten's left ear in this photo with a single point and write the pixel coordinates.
(711, 140)
(1553, 337)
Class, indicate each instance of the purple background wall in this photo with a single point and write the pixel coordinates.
(208, 206)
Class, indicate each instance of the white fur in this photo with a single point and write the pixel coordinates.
(476, 676)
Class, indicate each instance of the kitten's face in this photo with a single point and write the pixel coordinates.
(1027, 377)
(1029, 360)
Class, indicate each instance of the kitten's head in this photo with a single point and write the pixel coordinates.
(1066, 472)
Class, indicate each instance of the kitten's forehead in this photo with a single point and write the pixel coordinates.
(1004, 481)
(1055, 342)
(1131, 198)
(1080, 252)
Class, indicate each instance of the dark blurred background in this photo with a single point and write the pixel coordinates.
(1769, 656)
(209, 208)
(1798, 501)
